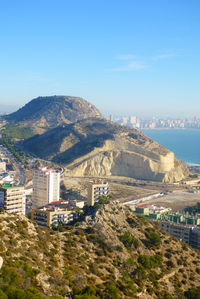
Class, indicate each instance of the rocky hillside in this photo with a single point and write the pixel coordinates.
(45, 112)
(96, 147)
(113, 254)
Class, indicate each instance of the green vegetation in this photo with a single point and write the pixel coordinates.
(111, 256)
(104, 199)
(15, 131)
(149, 262)
(19, 155)
(153, 239)
(12, 282)
(129, 241)
(192, 293)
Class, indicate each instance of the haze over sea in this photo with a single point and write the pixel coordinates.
(184, 143)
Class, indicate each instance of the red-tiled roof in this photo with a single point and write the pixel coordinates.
(55, 202)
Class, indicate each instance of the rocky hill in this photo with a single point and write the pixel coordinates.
(112, 254)
(46, 112)
(96, 147)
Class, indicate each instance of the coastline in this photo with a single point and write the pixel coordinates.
(185, 143)
(171, 129)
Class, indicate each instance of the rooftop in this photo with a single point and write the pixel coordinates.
(8, 186)
(99, 181)
(47, 170)
(54, 209)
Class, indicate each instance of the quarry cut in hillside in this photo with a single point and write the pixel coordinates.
(96, 147)
(111, 253)
(47, 112)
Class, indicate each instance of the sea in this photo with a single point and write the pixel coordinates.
(185, 143)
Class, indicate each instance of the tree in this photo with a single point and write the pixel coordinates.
(153, 239)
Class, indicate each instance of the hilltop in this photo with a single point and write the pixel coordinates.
(74, 133)
(46, 112)
(112, 254)
(97, 147)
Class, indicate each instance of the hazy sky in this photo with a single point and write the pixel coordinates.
(139, 57)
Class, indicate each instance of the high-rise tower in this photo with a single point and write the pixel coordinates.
(46, 186)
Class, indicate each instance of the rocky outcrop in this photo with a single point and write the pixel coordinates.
(134, 164)
(110, 252)
(96, 147)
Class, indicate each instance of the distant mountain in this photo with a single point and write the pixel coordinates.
(96, 147)
(45, 112)
(5, 109)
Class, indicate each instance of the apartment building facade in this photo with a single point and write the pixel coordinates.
(181, 232)
(46, 186)
(52, 216)
(12, 199)
(97, 188)
(185, 233)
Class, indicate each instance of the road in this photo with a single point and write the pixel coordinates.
(18, 167)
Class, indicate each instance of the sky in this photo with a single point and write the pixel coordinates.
(130, 57)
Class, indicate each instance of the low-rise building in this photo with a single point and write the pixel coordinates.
(155, 216)
(12, 199)
(181, 232)
(149, 209)
(185, 233)
(77, 203)
(142, 210)
(54, 214)
(97, 188)
(195, 237)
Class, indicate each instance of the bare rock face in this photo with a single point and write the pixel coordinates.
(96, 147)
(47, 112)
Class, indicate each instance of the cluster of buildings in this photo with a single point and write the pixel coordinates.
(157, 123)
(5, 175)
(182, 226)
(48, 210)
(44, 204)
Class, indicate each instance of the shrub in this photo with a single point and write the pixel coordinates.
(139, 275)
(149, 262)
(168, 255)
(153, 239)
(111, 292)
(142, 220)
(104, 199)
(129, 241)
(170, 264)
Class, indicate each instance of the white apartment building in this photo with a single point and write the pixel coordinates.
(46, 186)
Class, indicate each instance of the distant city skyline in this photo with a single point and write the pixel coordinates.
(137, 57)
(157, 123)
